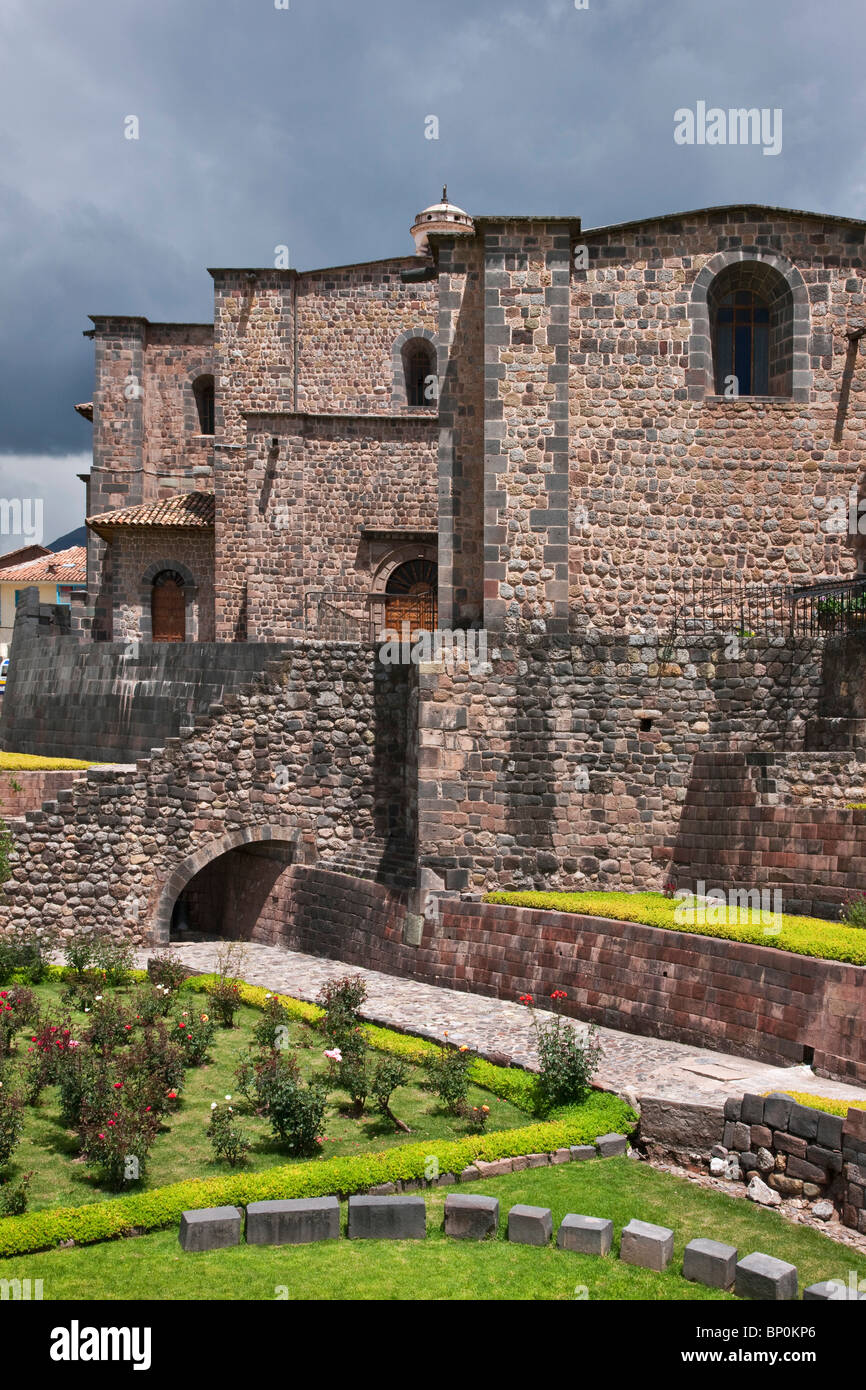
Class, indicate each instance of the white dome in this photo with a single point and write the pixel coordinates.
(440, 217)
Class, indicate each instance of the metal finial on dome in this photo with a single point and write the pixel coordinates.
(445, 193)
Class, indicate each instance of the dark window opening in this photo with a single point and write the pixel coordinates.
(742, 347)
(419, 366)
(645, 725)
(203, 389)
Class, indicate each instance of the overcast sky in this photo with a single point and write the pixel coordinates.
(306, 126)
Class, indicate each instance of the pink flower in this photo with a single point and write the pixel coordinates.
(334, 1055)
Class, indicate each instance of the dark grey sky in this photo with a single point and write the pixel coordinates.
(306, 127)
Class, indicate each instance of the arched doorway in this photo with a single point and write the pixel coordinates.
(411, 596)
(223, 887)
(168, 607)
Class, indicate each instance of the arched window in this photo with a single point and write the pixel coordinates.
(411, 596)
(203, 390)
(168, 607)
(419, 369)
(752, 331)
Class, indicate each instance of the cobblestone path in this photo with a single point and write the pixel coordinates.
(644, 1065)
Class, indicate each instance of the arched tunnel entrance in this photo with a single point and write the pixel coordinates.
(243, 894)
(237, 886)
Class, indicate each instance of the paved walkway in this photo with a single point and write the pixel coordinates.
(646, 1066)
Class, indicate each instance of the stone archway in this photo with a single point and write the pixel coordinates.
(758, 266)
(183, 873)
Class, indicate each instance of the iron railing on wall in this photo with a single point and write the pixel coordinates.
(826, 608)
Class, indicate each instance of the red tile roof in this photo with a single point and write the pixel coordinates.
(190, 509)
(57, 567)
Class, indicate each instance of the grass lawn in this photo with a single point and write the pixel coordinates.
(804, 936)
(182, 1149)
(154, 1267)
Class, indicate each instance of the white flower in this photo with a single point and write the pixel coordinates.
(228, 1097)
(213, 1105)
(98, 998)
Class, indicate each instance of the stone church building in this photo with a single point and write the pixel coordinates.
(541, 427)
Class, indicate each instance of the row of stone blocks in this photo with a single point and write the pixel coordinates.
(469, 1216)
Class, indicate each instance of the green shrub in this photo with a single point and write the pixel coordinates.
(566, 1063)
(448, 1076)
(272, 1029)
(14, 1195)
(167, 969)
(195, 1033)
(84, 1079)
(150, 1003)
(78, 952)
(113, 959)
(853, 910)
(477, 1117)
(225, 998)
(11, 1124)
(117, 1143)
(110, 1024)
(257, 1077)
(296, 1111)
(390, 1074)
(227, 1140)
(353, 1071)
(340, 1001)
(18, 1008)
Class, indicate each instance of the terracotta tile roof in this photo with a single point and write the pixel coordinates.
(57, 567)
(191, 509)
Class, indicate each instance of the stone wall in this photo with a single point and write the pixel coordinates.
(565, 762)
(752, 1001)
(113, 701)
(799, 1151)
(774, 821)
(136, 555)
(291, 759)
(667, 480)
(32, 789)
(348, 321)
(314, 483)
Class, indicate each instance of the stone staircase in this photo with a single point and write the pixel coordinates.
(390, 862)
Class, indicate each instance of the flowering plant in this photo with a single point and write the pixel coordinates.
(228, 1141)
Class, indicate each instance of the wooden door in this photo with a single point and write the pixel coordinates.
(168, 609)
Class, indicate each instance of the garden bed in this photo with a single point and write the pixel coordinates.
(152, 1062)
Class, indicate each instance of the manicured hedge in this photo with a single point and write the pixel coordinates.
(803, 936)
(151, 1211)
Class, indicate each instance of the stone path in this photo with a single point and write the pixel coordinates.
(643, 1065)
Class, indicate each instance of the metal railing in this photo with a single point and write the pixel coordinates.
(827, 608)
